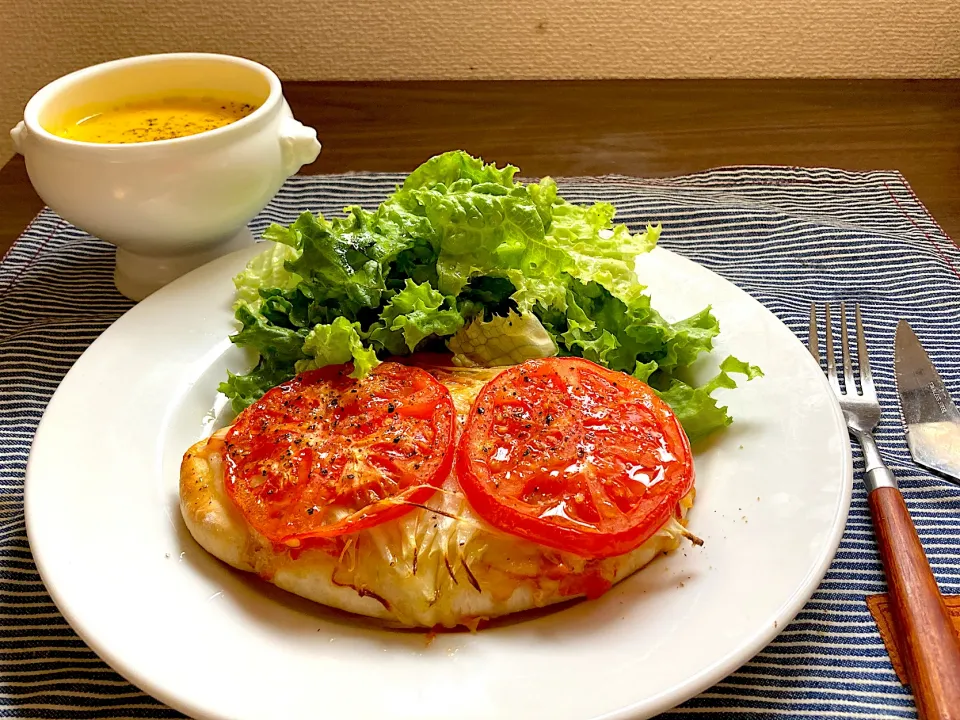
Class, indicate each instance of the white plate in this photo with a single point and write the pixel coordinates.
(103, 520)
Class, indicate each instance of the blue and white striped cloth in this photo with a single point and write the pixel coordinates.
(788, 236)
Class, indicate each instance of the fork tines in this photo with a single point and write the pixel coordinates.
(863, 360)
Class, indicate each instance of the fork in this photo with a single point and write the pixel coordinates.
(924, 631)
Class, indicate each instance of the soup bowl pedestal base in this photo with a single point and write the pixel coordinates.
(137, 276)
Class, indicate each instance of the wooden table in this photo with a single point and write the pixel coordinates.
(636, 127)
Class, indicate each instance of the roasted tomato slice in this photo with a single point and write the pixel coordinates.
(573, 456)
(324, 454)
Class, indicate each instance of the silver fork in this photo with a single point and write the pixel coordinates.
(861, 411)
(926, 637)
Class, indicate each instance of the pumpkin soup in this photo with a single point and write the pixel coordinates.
(151, 119)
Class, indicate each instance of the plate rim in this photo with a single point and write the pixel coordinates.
(645, 707)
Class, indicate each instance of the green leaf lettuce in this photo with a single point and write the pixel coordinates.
(464, 257)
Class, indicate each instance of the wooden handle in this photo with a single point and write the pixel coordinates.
(928, 642)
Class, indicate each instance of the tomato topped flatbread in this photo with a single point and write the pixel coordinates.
(573, 456)
(569, 479)
(323, 454)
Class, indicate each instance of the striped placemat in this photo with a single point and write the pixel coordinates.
(785, 235)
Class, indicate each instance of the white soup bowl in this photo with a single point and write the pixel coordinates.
(168, 205)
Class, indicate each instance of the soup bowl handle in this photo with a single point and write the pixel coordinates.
(19, 136)
(298, 145)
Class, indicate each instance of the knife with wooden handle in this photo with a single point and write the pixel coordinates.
(926, 636)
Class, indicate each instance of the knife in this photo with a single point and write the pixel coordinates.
(931, 418)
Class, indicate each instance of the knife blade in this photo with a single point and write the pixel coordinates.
(930, 416)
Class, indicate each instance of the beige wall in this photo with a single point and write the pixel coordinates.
(371, 39)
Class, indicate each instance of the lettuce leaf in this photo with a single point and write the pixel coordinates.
(596, 250)
(415, 313)
(334, 344)
(335, 260)
(275, 342)
(526, 234)
(501, 340)
(618, 335)
(244, 390)
(482, 232)
(266, 270)
(448, 168)
(279, 349)
(698, 412)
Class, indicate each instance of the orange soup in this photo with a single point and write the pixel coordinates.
(151, 119)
